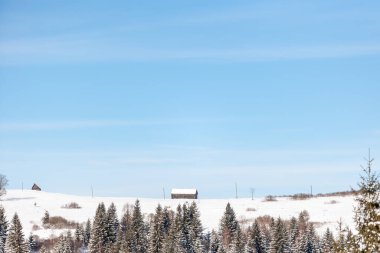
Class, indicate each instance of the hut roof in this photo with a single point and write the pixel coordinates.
(184, 191)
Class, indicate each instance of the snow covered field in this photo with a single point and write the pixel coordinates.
(31, 206)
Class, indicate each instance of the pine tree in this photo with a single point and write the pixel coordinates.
(98, 237)
(279, 237)
(228, 226)
(308, 243)
(367, 212)
(112, 224)
(87, 233)
(255, 243)
(195, 229)
(46, 218)
(32, 244)
(174, 241)
(293, 235)
(214, 242)
(69, 243)
(3, 229)
(327, 244)
(156, 234)
(15, 242)
(139, 240)
(126, 234)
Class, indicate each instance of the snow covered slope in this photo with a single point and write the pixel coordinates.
(31, 206)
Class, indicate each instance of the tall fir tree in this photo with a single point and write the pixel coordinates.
(367, 211)
(279, 237)
(87, 233)
(3, 229)
(112, 224)
(32, 244)
(15, 242)
(139, 242)
(98, 237)
(327, 243)
(293, 235)
(228, 226)
(255, 241)
(156, 233)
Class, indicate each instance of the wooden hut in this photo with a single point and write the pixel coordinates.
(184, 194)
(36, 188)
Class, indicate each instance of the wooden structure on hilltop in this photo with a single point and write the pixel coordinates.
(184, 194)
(36, 188)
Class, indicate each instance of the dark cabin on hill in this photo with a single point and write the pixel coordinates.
(184, 194)
(36, 188)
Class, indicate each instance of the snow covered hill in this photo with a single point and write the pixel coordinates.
(31, 206)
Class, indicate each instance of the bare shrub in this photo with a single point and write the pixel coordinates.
(58, 222)
(300, 196)
(251, 209)
(270, 198)
(332, 202)
(35, 227)
(72, 205)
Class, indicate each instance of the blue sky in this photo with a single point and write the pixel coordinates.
(133, 96)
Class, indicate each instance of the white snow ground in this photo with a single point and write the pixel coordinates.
(31, 205)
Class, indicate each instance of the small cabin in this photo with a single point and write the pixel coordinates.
(184, 194)
(36, 188)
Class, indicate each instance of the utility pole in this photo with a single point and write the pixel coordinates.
(22, 185)
(92, 192)
(236, 194)
(163, 190)
(252, 192)
(311, 190)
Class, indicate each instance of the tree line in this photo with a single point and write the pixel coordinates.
(181, 231)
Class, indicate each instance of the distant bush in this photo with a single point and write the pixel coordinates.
(58, 222)
(338, 194)
(300, 196)
(35, 227)
(251, 209)
(270, 198)
(331, 202)
(72, 205)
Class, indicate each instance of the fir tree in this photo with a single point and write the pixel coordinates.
(15, 242)
(255, 243)
(98, 237)
(139, 240)
(3, 229)
(112, 224)
(87, 233)
(308, 243)
(327, 244)
(279, 238)
(156, 234)
(367, 212)
(32, 244)
(46, 218)
(228, 226)
(214, 242)
(293, 235)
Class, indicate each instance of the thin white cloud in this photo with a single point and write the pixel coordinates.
(87, 50)
(75, 124)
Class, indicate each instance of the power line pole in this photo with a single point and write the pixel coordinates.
(252, 192)
(236, 193)
(92, 192)
(163, 190)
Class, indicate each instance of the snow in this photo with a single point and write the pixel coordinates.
(184, 191)
(31, 205)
